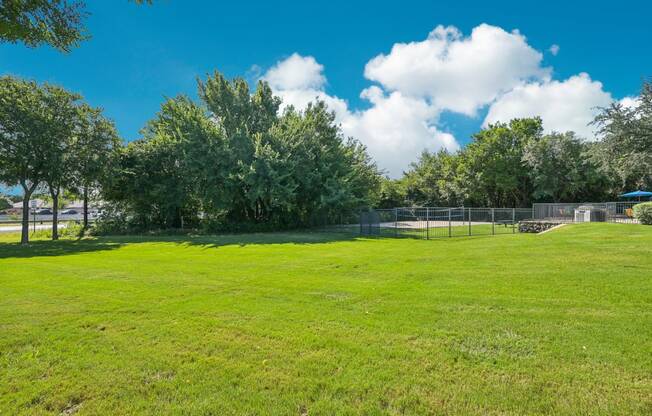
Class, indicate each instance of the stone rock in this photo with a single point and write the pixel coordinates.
(533, 226)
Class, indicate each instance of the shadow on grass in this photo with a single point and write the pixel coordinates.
(54, 248)
(44, 248)
(220, 240)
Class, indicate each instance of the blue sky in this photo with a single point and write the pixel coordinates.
(139, 55)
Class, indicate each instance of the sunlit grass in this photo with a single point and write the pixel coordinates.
(309, 323)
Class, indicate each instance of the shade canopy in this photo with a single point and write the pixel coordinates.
(636, 194)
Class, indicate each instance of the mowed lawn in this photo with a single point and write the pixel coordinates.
(303, 323)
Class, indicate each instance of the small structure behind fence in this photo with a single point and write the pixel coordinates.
(435, 222)
(622, 212)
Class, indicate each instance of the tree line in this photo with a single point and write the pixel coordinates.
(231, 160)
(515, 164)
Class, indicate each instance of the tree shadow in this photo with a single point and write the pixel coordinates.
(54, 248)
(221, 240)
(68, 247)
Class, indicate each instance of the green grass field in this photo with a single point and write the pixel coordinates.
(308, 323)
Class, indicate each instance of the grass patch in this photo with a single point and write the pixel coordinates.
(310, 323)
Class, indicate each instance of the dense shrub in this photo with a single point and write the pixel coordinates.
(643, 213)
(4, 203)
(72, 230)
(114, 221)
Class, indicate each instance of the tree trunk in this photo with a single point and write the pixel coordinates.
(54, 192)
(85, 208)
(24, 236)
(27, 194)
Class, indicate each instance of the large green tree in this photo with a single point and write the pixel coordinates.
(333, 174)
(625, 149)
(159, 177)
(391, 194)
(92, 155)
(433, 180)
(48, 136)
(24, 139)
(492, 165)
(245, 120)
(561, 169)
(233, 161)
(58, 23)
(61, 121)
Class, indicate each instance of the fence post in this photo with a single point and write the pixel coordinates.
(469, 221)
(450, 234)
(513, 220)
(493, 222)
(395, 222)
(427, 223)
(367, 218)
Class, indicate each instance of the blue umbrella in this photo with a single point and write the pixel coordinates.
(637, 194)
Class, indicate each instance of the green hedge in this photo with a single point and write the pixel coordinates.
(643, 213)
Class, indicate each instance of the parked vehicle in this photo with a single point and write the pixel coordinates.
(44, 211)
(69, 212)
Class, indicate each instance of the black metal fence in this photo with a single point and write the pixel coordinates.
(436, 222)
(622, 212)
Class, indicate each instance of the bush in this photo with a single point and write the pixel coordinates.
(643, 213)
(117, 220)
(4, 203)
(114, 221)
(72, 230)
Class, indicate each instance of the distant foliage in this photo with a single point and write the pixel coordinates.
(506, 164)
(516, 164)
(231, 162)
(643, 213)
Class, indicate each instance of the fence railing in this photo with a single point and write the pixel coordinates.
(436, 222)
(622, 212)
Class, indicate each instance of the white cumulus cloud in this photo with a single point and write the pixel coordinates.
(416, 81)
(563, 105)
(395, 129)
(296, 72)
(459, 73)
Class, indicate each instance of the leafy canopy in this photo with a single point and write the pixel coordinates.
(58, 23)
(232, 161)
